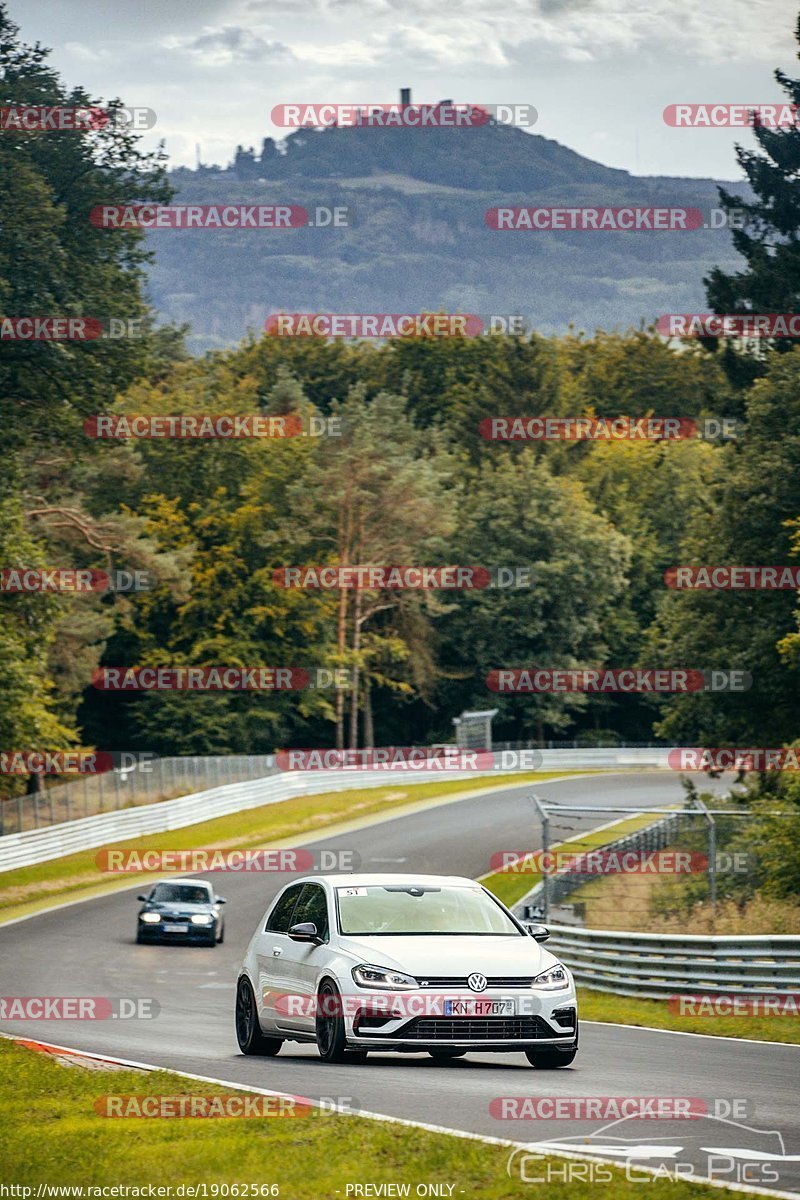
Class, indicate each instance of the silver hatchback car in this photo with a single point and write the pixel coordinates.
(409, 963)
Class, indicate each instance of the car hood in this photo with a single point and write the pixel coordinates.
(177, 906)
(441, 957)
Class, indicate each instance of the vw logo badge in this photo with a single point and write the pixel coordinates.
(477, 982)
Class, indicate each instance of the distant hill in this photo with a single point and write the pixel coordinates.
(419, 240)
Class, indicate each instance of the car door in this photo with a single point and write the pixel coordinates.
(273, 943)
(303, 960)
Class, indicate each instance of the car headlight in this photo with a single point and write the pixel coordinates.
(202, 919)
(555, 979)
(150, 918)
(366, 975)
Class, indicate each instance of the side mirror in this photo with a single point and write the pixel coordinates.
(539, 933)
(142, 898)
(306, 931)
(220, 900)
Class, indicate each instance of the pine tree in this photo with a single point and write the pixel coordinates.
(768, 236)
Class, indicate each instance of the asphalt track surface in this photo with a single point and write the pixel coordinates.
(88, 949)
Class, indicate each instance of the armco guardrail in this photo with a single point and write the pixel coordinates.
(40, 845)
(658, 965)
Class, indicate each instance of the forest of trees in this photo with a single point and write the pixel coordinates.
(409, 480)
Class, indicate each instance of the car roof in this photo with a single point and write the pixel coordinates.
(376, 879)
(187, 881)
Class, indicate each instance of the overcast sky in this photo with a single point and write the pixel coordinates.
(599, 72)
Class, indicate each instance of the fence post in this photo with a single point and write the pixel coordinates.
(712, 860)
(545, 846)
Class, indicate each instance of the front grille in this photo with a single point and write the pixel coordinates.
(492, 981)
(474, 1029)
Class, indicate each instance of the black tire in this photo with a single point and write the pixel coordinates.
(550, 1060)
(248, 1031)
(221, 937)
(443, 1055)
(330, 1024)
(139, 938)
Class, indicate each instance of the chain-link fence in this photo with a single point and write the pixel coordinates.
(145, 782)
(702, 867)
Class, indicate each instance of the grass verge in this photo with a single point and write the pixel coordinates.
(669, 904)
(633, 1010)
(308, 1158)
(74, 876)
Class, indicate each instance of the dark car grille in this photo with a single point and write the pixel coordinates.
(492, 981)
(474, 1029)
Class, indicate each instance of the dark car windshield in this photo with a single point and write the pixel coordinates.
(395, 909)
(182, 893)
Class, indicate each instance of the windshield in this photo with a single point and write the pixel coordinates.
(183, 893)
(395, 909)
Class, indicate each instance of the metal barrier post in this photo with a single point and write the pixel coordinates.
(712, 859)
(545, 819)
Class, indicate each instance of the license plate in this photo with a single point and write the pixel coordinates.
(479, 1008)
(176, 929)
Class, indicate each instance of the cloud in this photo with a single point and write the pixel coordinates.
(229, 44)
(84, 53)
(577, 30)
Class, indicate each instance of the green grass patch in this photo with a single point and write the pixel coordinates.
(28, 889)
(515, 882)
(309, 1158)
(633, 1010)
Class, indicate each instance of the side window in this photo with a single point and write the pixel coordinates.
(278, 919)
(313, 906)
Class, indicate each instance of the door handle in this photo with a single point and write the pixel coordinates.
(276, 951)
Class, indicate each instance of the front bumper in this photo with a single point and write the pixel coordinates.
(157, 933)
(540, 1020)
